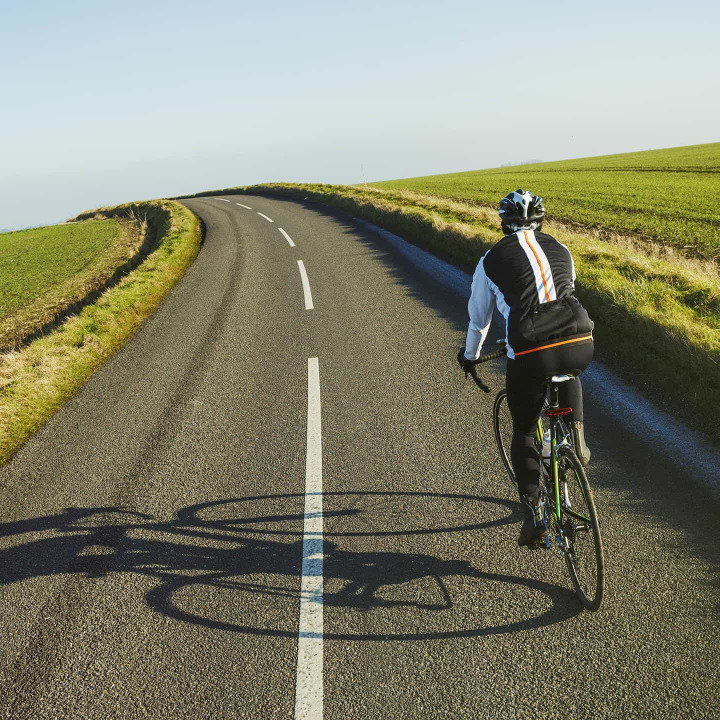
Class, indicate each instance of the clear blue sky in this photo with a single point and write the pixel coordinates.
(109, 102)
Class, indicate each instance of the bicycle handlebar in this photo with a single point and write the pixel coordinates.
(490, 356)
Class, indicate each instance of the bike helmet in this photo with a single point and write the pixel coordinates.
(521, 210)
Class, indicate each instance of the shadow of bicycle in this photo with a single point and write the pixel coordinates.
(216, 563)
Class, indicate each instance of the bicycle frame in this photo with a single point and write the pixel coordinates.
(558, 438)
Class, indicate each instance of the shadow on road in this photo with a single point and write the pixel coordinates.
(223, 546)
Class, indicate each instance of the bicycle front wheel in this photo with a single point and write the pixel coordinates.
(583, 544)
(502, 423)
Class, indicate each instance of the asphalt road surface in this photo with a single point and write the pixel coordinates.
(282, 499)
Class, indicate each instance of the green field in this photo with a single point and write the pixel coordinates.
(46, 269)
(33, 261)
(668, 196)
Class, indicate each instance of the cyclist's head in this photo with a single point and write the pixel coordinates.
(521, 210)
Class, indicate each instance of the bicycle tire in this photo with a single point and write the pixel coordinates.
(579, 521)
(502, 425)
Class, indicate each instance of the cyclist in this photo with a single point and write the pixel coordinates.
(530, 277)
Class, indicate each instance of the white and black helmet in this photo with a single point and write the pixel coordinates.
(521, 210)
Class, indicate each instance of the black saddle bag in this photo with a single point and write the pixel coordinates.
(549, 322)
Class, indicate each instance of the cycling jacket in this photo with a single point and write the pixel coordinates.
(530, 276)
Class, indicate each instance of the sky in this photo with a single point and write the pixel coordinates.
(107, 102)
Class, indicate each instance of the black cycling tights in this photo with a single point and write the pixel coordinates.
(526, 389)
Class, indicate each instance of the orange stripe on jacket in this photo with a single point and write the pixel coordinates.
(542, 272)
(563, 342)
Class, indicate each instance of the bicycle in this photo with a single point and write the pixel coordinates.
(566, 500)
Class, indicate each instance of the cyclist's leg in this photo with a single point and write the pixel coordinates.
(525, 397)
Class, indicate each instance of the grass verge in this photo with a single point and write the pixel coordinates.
(657, 311)
(38, 378)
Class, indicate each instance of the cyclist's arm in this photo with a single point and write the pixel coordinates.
(480, 309)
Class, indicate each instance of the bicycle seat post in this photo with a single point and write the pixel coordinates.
(554, 394)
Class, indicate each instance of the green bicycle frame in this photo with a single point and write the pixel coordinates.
(554, 471)
(553, 463)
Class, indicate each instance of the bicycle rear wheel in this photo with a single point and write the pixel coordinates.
(502, 424)
(583, 543)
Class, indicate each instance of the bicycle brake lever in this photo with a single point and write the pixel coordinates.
(477, 380)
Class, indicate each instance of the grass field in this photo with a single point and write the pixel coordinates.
(37, 379)
(668, 196)
(45, 270)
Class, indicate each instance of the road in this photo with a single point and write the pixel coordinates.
(281, 499)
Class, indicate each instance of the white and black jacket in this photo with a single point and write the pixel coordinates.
(530, 276)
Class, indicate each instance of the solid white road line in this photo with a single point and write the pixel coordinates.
(287, 237)
(266, 217)
(247, 207)
(309, 676)
(306, 286)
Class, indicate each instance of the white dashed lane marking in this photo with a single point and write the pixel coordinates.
(306, 286)
(247, 207)
(309, 676)
(266, 217)
(287, 237)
